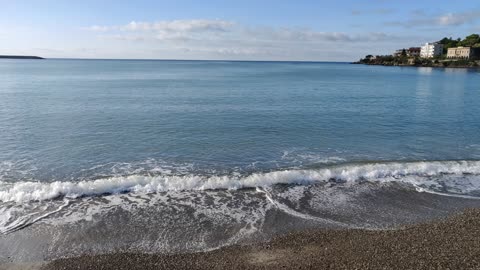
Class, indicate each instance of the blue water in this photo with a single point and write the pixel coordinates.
(77, 119)
(174, 156)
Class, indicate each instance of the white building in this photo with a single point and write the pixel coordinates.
(463, 53)
(430, 50)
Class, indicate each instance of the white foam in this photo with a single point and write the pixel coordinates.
(395, 171)
(294, 213)
(7, 224)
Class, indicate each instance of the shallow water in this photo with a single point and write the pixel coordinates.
(192, 155)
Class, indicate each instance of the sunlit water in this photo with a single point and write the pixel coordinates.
(190, 148)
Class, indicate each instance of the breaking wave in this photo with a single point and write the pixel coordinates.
(461, 177)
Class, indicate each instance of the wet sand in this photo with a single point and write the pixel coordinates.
(451, 243)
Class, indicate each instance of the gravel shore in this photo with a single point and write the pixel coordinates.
(452, 243)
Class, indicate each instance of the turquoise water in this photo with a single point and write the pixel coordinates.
(167, 156)
(77, 119)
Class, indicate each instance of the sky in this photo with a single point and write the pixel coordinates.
(298, 30)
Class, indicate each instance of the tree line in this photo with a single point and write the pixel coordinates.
(472, 40)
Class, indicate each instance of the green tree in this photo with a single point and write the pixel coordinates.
(470, 40)
(448, 43)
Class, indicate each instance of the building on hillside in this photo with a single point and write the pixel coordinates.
(399, 52)
(414, 51)
(411, 61)
(463, 53)
(430, 50)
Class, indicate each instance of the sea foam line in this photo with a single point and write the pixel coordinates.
(27, 220)
(294, 213)
(394, 171)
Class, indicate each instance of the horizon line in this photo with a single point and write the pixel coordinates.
(177, 59)
(205, 60)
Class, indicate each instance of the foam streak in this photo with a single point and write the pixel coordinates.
(383, 172)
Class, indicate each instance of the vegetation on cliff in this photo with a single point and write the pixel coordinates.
(472, 40)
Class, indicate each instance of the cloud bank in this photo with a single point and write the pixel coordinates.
(227, 38)
(168, 26)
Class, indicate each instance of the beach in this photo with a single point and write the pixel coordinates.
(450, 243)
(111, 164)
(222, 135)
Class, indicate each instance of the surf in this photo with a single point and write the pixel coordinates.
(424, 175)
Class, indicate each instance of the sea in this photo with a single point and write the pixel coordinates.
(100, 156)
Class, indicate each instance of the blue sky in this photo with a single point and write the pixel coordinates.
(341, 30)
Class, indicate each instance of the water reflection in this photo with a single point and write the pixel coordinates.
(425, 70)
(456, 70)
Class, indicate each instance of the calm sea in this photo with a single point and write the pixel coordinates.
(61, 119)
(301, 139)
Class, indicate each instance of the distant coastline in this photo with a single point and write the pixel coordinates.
(447, 52)
(420, 63)
(20, 57)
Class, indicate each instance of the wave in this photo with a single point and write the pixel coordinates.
(416, 173)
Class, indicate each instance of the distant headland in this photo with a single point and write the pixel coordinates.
(20, 57)
(446, 52)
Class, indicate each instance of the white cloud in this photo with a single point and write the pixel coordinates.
(458, 18)
(421, 19)
(219, 30)
(220, 39)
(167, 26)
(179, 26)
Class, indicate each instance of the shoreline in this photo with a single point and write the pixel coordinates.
(419, 66)
(452, 242)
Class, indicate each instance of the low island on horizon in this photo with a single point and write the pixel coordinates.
(20, 57)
